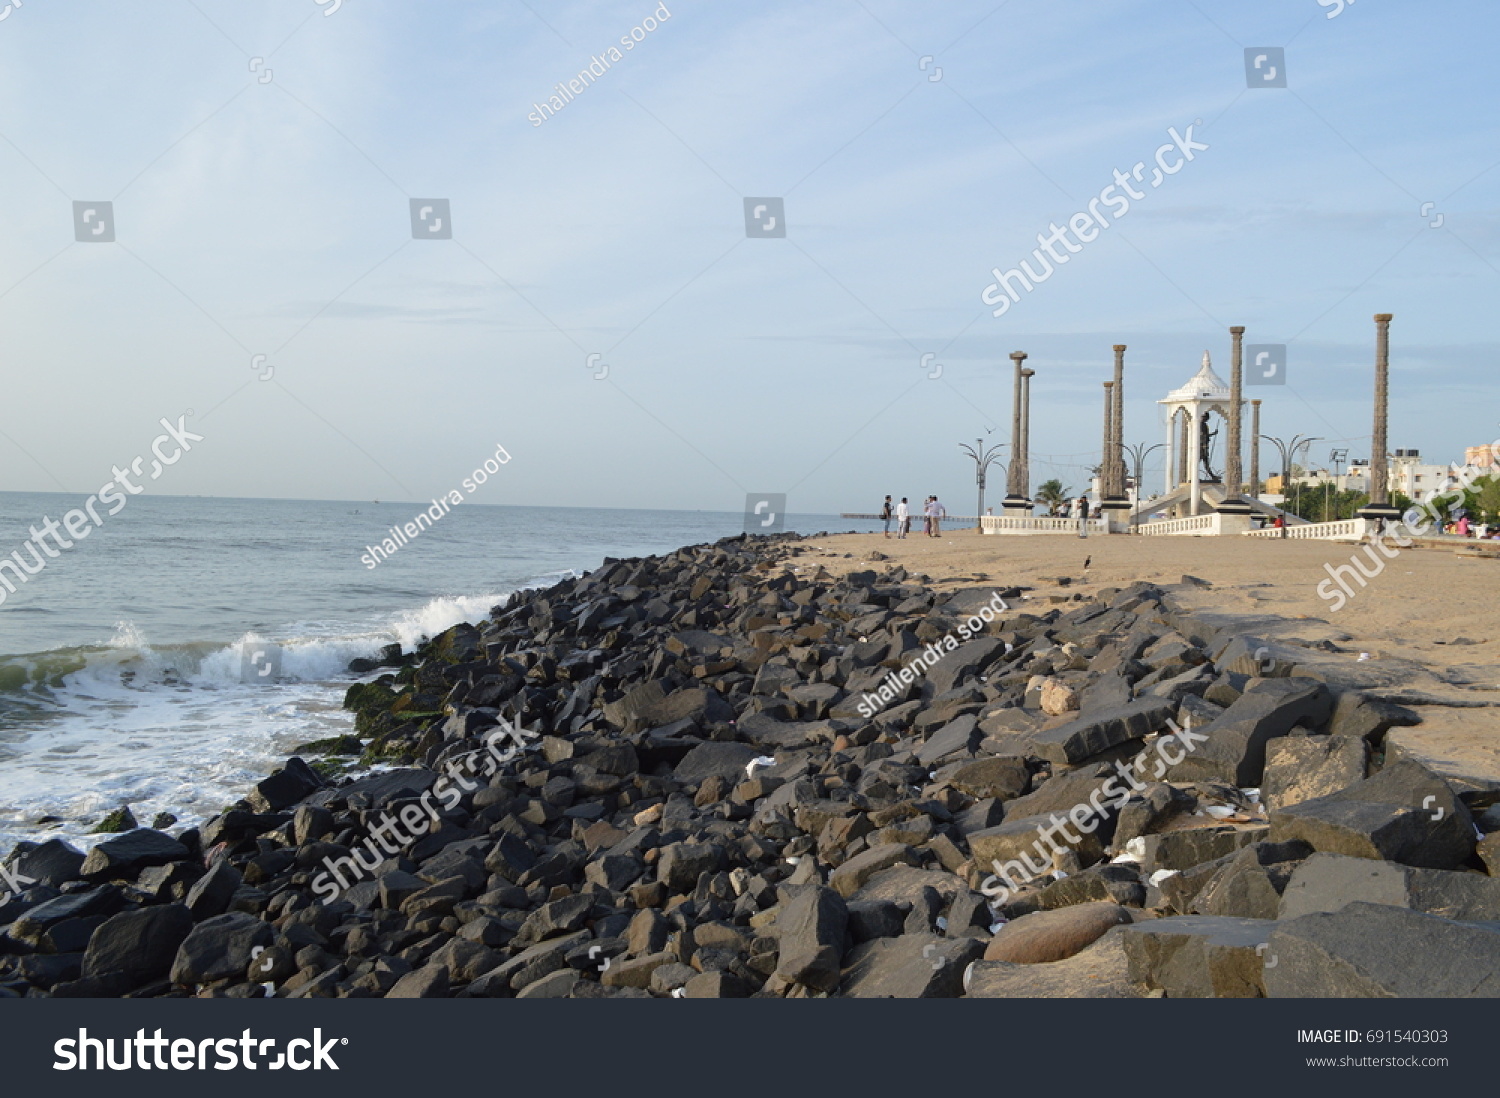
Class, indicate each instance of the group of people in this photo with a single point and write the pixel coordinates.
(933, 514)
(1075, 508)
(1463, 528)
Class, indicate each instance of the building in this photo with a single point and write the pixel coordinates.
(1481, 457)
(1406, 473)
(1410, 476)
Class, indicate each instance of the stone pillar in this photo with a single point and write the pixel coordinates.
(1016, 503)
(1106, 470)
(1183, 437)
(1233, 471)
(1192, 435)
(1116, 504)
(1234, 480)
(1120, 419)
(1379, 506)
(1255, 449)
(1026, 376)
(1167, 465)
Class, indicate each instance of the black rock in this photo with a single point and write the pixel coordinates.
(285, 787)
(1378, 952)
(53, 862)
(213, 892)
(138, 945)
(95, 902)
(131, 853)
(811, 929)
(219, 948)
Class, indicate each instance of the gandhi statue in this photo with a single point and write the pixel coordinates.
(1205, 448)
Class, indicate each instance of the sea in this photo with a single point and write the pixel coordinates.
(184, 648)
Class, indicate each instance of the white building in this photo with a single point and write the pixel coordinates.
(1411, 477)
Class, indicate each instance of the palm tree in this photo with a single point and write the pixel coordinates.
(1052, 493)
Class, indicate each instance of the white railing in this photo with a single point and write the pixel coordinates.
(1040, 524)
(1193, 526)
(1354, 529)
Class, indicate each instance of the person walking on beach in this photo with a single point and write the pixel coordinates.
(1081, 513)
(938, 514)
(885, 515)
(903, 520)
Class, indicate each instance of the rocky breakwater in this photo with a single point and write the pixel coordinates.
(1105, 796)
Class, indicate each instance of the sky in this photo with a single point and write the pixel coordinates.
(601, 309)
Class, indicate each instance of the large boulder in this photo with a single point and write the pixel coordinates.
(1300, 768)
(1373, 951)
(1097, 783)
(851, 876)
(1094, 734)
(213, 892)
(1199, 956)
(1234, 749)
(1191, 846)
(128, 854)
(139, 945)
(1330, 882)
(965, 661)
(727, 760)
(219, 948)
(1003, 777)
(53, 862)
(1099, 972)
(1251, 883)
(293, 782)
(1021, 850)
(1045, 936)
(811, 930)
(913, 966)
(1405, 813)
(91, 904)
(957, 737)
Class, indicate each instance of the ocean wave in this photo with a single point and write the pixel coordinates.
(309, 651)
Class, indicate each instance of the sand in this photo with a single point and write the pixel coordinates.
(1433, 607)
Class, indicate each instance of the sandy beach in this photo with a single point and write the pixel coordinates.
(1429, 614)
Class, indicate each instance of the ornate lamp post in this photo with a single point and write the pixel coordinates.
(983, 459)
(1138, 454)
(1288, 453)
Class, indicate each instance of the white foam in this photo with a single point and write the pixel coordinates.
(176, 729)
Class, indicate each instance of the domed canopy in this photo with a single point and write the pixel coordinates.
(1204, 385)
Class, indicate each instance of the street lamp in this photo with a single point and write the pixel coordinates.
(983, 459)
(1336, 457)
(1138, 454)
(1289, 457)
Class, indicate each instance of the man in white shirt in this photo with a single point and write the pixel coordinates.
(903, 519)
(936, 511)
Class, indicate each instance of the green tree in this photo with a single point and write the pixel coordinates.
(1487, 498)
(1051, 493)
